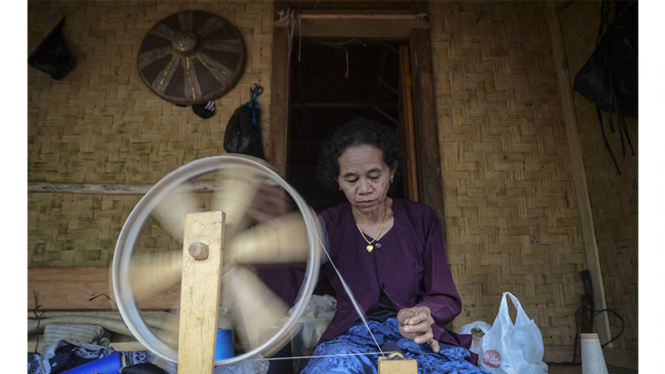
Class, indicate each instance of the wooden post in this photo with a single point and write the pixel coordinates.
(279, 93)
(581, 188)
(200, 295)
(427, 130)
(408, 131)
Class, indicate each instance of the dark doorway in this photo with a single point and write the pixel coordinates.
(331, 82)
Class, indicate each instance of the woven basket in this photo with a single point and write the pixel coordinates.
(191, 57)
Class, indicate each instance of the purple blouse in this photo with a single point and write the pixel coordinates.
(409, 264)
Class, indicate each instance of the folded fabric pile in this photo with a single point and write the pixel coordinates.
(74, 333)
(69, 358)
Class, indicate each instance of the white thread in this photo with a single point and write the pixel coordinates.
(291, 26)
(348, 292)
(346, 51)
(340, 355)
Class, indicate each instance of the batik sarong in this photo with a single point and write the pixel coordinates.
(355, 352)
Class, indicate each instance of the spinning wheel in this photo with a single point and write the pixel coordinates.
(210, 204)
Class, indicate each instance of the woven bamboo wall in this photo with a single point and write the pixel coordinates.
(613, 196)
(511, 214)
(101, 123)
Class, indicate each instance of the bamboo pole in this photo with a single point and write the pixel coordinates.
(113, 189)
(579, 176)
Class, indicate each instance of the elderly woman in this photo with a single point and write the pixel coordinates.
(391, 254)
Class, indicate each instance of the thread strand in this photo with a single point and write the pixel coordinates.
(353, 300)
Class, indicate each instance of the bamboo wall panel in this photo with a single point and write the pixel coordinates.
(613, 197)
(101, 123)
(82, 230)
(511, 215)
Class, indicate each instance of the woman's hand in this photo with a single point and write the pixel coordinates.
(269, 202)
(416, 324)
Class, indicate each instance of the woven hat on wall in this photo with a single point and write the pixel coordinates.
(191, 57)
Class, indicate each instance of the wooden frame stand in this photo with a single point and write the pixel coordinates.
(200, 296)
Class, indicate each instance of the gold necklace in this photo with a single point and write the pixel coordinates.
(370, 247)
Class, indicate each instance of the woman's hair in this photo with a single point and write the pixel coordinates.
(357, 132)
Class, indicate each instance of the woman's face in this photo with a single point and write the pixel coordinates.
(364, 177)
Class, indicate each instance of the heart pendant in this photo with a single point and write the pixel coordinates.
(370, 248)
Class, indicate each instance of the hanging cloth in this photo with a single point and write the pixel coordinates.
(52, 56)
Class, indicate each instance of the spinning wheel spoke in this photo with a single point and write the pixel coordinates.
(155, 273)
(257, 312)
(172, 210)
(281, 240)
(234, 194)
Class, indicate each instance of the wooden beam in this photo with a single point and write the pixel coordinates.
(394, 14)
(579, 176)
(114, 189)
(90, 188)
(427, 131)
(379, 5)
(357, 23)
(279, 93)
(61, 288)
(408, 131)
(71, 288)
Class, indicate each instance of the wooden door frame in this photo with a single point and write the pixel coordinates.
(375, 24)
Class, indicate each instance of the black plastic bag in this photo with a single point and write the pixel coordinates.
(243, 132)
(52, 56)
(609, 78)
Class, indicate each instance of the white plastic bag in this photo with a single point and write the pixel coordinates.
(315, 319)
(509, 348)
(482, 327)
(254, 365)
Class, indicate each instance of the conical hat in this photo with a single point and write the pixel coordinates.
(191, 57)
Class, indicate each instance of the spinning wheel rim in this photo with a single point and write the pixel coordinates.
(142, 213)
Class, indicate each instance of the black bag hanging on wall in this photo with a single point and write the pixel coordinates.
(52, 56)
(243, 132)
(609, 77)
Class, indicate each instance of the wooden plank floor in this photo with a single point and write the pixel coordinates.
(578, 370)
